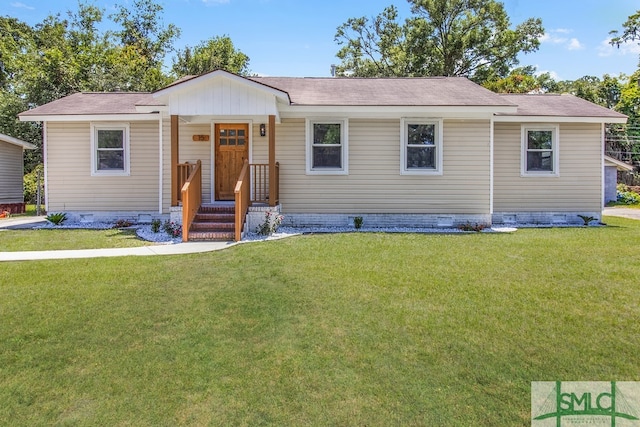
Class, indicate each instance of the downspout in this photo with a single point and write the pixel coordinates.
(44, 163)
(602, 177)
(491, 133)
(160, 168)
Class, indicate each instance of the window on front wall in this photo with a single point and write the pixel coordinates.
(540, 150)
(421, 142)
(327, 146)
(110, 149)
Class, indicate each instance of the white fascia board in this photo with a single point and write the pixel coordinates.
(208, 118)
(557, 119)
(391, 111)
(91, 117)
(151, 108)
(15, 141)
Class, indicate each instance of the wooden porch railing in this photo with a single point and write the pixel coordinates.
(260, 183)
(191, 196)
(242, 198)
(184, 170)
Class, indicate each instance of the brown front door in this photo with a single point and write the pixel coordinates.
(232, 149)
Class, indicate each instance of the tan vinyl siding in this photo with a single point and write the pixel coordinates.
(260, 144)
(374, 183)
(191, 151)
(11, 172)
(166, 164)
(71, 186)
(578, 187)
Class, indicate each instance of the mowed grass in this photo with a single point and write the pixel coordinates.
(334, 330)
(52, 239)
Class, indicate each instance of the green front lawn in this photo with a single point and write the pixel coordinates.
(52, 239)
(340, 330)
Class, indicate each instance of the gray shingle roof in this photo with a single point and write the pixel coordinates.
(357, 92)
(564, 105)
(94, 103)
(427, 91)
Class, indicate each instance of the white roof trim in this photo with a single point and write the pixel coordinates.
(617, 163)
(377, 111)
(90, 117)
(15, 141)
(558, 119)
(186, 85)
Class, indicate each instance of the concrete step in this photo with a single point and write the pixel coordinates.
(211, 235)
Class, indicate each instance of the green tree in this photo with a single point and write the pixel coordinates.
(442, 37)
(213, 54)
(631, 31)
(16, 37)
(143, 35)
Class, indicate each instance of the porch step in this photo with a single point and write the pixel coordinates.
(213, 223)
(211, 236)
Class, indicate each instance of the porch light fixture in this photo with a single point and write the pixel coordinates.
(263, 129)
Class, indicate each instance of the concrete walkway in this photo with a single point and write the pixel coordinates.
(622, 211)
(160, 249)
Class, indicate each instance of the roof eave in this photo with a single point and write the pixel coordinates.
(15, 141)
(88, 117)
(558, 119)
(394, 110)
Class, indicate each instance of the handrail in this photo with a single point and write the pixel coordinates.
(242, 193)
(260, 183)
(191, 199)
(184, 171)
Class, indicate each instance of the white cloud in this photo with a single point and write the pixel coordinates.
(22, 6)
(574, 44)
(558, 37)
(628, 48)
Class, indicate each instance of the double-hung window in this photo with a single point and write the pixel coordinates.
(421, 147)
(110, 149)
(327, 147)
(539, 150)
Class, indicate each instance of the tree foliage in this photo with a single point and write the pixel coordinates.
(442, 38)
(217, 53)
(66, 54)
(630, 32)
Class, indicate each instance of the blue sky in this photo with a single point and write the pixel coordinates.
(296, 37)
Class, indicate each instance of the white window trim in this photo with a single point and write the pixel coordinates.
(555, 149)
(95, 127)
(404, 123)
(344, 138)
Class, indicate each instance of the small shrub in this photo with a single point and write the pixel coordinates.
(587, 219)
(470, 227)
(271, 223)
(357, 222)
(122, 223)
(172, 229)
(627, 197)
(57, 218)
(155, 225)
